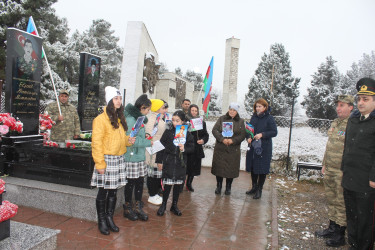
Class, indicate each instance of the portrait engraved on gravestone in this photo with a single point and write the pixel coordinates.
(23, 72)
(150, 73)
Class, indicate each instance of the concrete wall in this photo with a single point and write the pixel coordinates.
(137, 43)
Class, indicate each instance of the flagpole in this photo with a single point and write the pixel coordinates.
(49, 69)
(200, 92)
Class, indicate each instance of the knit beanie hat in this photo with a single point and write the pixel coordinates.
(111, 92)
(234, 106)
(156, 104)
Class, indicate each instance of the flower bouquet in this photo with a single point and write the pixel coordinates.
(9, 123)
(7, 211)
(45, 123)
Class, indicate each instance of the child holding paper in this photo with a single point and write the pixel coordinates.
(173, 160)
(154, 130)
(135, 159)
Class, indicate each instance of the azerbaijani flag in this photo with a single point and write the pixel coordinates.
(31, 28)
(207, 87)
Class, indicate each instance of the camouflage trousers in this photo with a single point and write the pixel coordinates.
(335, 198)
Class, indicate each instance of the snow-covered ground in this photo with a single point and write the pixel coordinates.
(307, 144)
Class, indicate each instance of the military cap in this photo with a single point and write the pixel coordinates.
(63, 91)
(366, 86)
(345, 98)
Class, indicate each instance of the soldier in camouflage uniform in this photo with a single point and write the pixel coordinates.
(333, 174)
(67, 125)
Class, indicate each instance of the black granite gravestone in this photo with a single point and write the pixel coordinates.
(23, 71)
(88, 92)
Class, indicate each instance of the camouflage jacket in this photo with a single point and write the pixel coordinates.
(70, 126)
(335, 145)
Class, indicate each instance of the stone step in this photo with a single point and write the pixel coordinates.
(55, 198)
(24, 236)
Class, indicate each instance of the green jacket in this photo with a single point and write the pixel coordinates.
(335, 145)
(70, 126)
(135, 153)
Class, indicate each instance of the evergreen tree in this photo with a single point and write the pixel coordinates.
(320, 100)
(284, 87)
(364, 68)
(195, 78)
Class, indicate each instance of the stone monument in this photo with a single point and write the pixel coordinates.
(23, 71)
(230, 72)
(139, 70)
(88, 91)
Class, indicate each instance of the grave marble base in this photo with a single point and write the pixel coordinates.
(24, 236)
(55, 198)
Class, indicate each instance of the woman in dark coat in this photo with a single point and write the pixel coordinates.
(194, 160)
(227, 151)
(258, 160)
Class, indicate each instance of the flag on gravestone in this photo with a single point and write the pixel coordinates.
(23, 72)
(88, 91)
(207, 87)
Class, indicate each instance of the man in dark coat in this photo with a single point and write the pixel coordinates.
(358, 166)
(258, 160)
(227, 152)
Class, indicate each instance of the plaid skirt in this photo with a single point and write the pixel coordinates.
(134, 170)
(154, 172)
(114, 176)
(172, 182)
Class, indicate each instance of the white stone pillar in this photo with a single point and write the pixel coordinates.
(230, 73)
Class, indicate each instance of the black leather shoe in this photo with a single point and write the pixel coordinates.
(175, 209)
(328, 232)
(140, 213)
(252, 190)
(258, 194)
(338, 238)
(218, 188)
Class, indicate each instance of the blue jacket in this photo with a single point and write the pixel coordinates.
(265, 124)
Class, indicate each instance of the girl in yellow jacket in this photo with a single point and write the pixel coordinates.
(109, 142)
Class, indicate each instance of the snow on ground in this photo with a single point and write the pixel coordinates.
(307, 144)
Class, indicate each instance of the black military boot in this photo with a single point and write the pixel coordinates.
(140, 213)
(111, 205)
(175, 209)
(258, 193)
(328, 232)
(228, 188)
(129, 212)
(162, 209)
(102, 223)
(338, 238)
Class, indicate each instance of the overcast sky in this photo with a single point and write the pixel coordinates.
(187, 34)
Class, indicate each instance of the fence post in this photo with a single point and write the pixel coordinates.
(290, 134)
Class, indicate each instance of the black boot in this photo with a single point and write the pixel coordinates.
(328, 232)
(162, 209)
(258, 193)
(163, 206)
(102, 223)
(140, 213)
(218, 187)
(338, 238)
(252, 190)
(111, 205)
(228, 186)
(188, 183)
(129, 212)
(175, 209)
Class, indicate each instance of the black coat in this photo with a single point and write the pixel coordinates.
(358, 161)
(194, 160)
(226, 159)
(174, 163)
(265, 124)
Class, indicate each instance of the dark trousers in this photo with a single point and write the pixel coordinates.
(360, 216)
(153, 185)
(137, 185)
